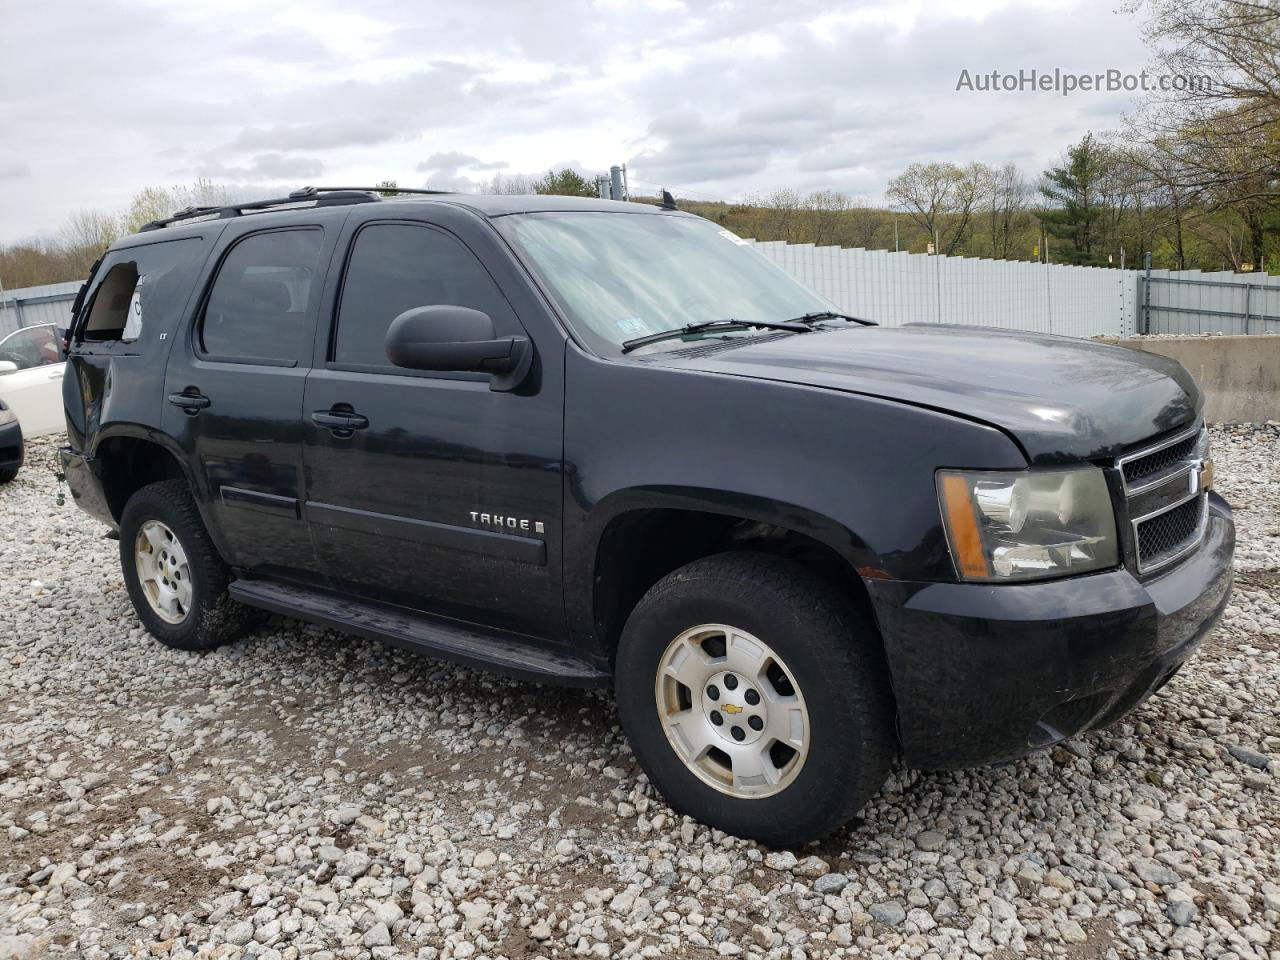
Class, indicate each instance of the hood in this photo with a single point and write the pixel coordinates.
(1060, 398)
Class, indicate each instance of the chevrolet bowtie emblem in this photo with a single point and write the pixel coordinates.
(732, 708)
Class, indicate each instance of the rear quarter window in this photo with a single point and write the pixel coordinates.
(138, 292)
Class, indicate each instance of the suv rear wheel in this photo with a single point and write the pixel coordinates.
(756, 698)
(175, 577)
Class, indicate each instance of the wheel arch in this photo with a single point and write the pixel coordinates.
(130, 456)
(636, 537)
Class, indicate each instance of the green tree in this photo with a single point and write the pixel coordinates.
(1075, 193)
(387, 188)
(565, 183)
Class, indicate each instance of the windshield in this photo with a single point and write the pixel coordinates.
(620, 276)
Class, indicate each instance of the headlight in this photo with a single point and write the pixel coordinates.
(6, 416)
(1028, 524)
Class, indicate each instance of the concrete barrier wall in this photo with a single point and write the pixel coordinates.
(1240, 375)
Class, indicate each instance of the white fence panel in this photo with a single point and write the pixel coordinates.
(895, 288)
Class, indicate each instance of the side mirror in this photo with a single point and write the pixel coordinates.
(457, 339)
(7, 367)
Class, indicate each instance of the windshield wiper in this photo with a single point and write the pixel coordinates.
(716, 326)
(817, 316)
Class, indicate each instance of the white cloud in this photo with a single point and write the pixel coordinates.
(718, 99)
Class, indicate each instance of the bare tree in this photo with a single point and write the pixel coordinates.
(90, 231)
(829, 210)
(512, 184)
(941, 199)
(1223, 58)
(1161, 201)
(1007, 216)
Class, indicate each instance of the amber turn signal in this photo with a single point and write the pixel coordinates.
(962, 526)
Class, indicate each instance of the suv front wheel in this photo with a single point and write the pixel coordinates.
(756, 698)
(175, 577)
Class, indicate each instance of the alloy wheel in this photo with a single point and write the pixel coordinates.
(163, 571)
(732, 711)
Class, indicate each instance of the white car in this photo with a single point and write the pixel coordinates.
(32, 363)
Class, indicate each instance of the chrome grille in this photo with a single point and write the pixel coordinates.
(1143, 468)
(1168, 533)
(1164, 499)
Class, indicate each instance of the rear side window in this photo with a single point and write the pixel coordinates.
(142, 288)
(397, 266)
(257, 308)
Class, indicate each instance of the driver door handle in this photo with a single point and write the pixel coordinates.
(191, 403)
(340, 421)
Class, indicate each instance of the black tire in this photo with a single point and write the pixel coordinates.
(8, 474)
(835, 657)
(213, 618)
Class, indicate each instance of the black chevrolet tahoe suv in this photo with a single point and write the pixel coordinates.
(607, 444)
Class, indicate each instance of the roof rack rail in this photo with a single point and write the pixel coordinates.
(388, 191)
(322, 197)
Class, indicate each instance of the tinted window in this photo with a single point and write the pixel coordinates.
(32, 347)
(395, 267)
(141, 289)
(258, 305)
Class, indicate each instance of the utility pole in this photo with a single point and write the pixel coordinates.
(1146, 294)
(626, 187)
(4, 304)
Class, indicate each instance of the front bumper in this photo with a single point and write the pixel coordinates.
(85, 482)
(984, 674)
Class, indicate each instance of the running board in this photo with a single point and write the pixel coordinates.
(508, 654)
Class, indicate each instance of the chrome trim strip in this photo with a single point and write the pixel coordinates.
(1194, 430)
(1161, 480)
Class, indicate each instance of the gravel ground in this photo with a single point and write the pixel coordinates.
(306, 794)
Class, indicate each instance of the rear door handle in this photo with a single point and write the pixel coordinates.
(191, 403)
(340, 421)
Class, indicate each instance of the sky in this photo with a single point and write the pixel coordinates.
(713, 100)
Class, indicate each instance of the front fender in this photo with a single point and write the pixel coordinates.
(855, 473)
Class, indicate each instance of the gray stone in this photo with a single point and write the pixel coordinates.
(930, 840)
(831, 883)
(780, 860)
(811, 867)
(354, 864)
(344, 815)
(239, 933)
(1181, 912)
(1153, 871)
(891, 912)
(1253, 758)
